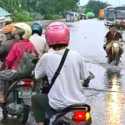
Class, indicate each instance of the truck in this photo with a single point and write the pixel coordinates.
(115, 16)
(101, 14)
(120, 17)
(109, 16)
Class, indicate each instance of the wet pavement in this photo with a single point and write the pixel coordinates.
(106, 93)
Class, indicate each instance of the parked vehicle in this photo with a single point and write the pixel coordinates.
(101, 14)
(115, 16)
(71, 16)
(120, 17)
(109, 14)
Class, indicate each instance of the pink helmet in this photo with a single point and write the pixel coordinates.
(57, 33)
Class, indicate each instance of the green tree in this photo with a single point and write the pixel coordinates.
(44, 7)
(50, 7)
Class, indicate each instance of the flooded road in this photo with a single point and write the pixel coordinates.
(107, 91)
(106, 94)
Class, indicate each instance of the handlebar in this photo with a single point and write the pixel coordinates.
(91, 75)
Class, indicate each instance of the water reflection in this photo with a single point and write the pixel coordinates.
(113, 99)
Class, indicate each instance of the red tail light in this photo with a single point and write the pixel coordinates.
(79, 116)
(27, 83)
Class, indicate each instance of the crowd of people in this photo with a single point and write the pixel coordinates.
(48, 51)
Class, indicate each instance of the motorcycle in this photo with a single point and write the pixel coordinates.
(18, 100)
(115, 52)
(78, 114)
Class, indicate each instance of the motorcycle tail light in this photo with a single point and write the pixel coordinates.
(80, 116)
(27, 82)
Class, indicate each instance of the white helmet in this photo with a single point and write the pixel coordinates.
(27, 29)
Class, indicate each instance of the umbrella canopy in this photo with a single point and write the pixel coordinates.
(3, 12)
(90, 14)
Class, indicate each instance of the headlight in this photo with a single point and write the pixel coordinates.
(115, 45)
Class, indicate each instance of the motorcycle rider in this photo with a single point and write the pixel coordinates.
(8, 41)
(67, 89)
(15, 56)
(38, 40)
(18, 49)
(112, 35)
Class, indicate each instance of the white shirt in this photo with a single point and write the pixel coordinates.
(67, 89)
(39, 43)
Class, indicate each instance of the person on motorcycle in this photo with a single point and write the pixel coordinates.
(38, 40)
(67, 89)
(112, 35)
(8, 41)
(16, 53)
(15, 56)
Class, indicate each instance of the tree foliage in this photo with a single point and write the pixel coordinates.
(44, 7)
(95, 6)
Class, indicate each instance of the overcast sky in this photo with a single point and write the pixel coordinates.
(113, 2)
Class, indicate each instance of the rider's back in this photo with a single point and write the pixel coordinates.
(17, 51)
(67, 89)
(115, 36)
(39, 44)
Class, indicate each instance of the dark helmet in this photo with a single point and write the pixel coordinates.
(111, 26)
(37, 28)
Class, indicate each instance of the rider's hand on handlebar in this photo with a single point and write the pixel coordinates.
(86, 82)
(104, 46)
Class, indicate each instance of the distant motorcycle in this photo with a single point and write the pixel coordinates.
(18, 100)
(115, 52)
(78, 114)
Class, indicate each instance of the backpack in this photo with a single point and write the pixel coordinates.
(27, 63)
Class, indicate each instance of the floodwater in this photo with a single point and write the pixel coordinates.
(106, 93)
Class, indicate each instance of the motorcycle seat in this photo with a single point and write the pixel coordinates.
(85, 107)
(52, 112)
